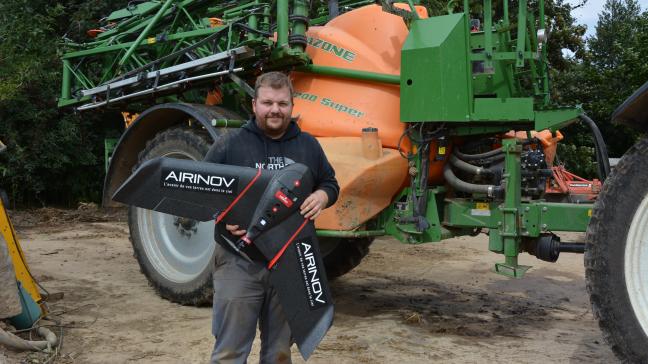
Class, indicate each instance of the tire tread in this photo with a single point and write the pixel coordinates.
(604, 258)
(201, 292)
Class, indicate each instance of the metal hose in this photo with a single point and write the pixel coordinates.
(485, 155)
(459, 185)
(470, 168)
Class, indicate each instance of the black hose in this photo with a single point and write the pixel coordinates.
(472, 157)
(459, 185)
(602, 159)
(470, 168)
(492, 160)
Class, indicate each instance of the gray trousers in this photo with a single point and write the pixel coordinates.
(243, 296)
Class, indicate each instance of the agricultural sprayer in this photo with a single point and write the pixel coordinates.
(437, 126)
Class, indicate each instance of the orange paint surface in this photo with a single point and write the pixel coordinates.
(367, 186)
(547, 139)
(365, 39)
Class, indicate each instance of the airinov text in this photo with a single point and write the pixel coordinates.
(196, 179)
(313, 273)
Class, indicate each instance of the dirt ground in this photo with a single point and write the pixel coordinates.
(433, 303)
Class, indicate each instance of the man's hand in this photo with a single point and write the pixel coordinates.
(314, 204)
(234, 230)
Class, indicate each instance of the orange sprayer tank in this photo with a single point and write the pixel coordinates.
(336, 110)
(366, 39)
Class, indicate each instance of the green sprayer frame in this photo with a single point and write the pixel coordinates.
(465, 73)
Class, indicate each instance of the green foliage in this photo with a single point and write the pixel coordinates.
(615, 67)
(612, 67)
(563, 32)
(578, 159)
(53, 156)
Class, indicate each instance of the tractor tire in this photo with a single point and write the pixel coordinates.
(341, 255)
(616, 257)
(174, 254)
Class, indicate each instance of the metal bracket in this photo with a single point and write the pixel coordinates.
(237, 80)
(243, 52)
(157, 79)
(513, 271)
(167, 86)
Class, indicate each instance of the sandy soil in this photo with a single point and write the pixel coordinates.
(433, 303)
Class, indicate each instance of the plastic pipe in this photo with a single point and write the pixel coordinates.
(348, 73)
(10, 340)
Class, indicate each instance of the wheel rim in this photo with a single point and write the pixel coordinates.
(635, 267)
(178, 249)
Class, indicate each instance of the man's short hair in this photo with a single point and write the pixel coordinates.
(274, 79)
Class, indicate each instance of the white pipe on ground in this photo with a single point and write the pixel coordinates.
(12, 341)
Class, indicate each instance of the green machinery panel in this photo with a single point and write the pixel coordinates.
(434, 64)
(480, 76)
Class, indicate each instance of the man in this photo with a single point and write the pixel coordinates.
(242, 291)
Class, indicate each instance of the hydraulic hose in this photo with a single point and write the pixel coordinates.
(459, 185)
(10, 340)
(485, 155)
(601, 150)
(470, 168)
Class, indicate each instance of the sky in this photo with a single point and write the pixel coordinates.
(589, 13)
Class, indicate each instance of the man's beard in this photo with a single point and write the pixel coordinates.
(275, 129)
(275, 116)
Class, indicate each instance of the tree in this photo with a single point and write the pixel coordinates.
(602, 77)
(53, 155)
(616, 67)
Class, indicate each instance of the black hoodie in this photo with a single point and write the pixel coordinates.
(250, 147)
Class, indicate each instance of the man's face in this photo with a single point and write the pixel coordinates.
(273, 109)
